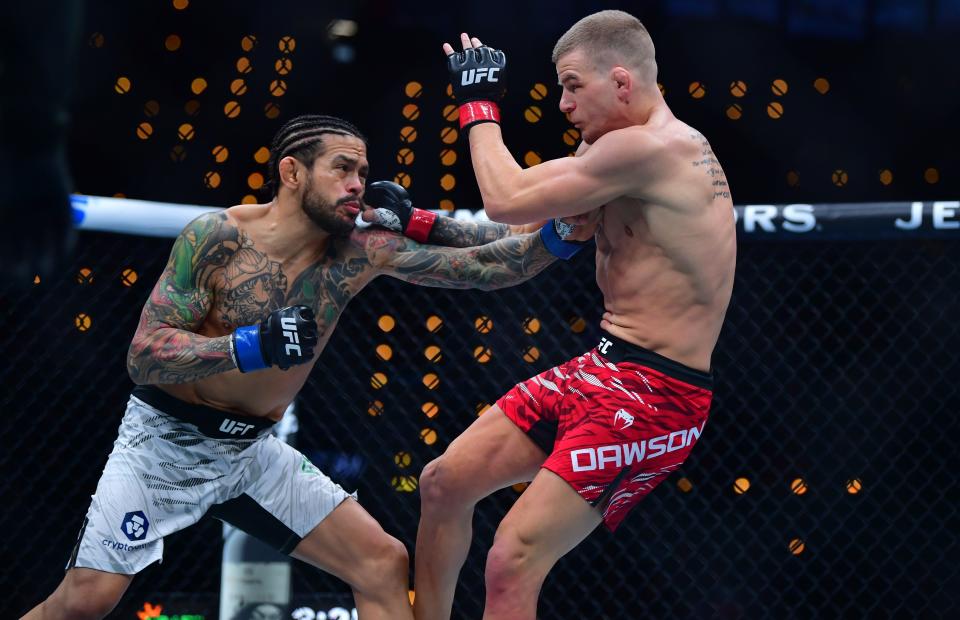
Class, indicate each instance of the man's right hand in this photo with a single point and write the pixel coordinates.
(477, 78)
(575, 227)
(564, 237)
(285, 338)
(581, 227)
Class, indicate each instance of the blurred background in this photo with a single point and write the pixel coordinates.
(824, 485)
(788, 92)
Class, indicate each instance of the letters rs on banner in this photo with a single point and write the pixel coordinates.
(850, 221)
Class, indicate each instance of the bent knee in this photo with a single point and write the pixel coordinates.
(441, 488)
(393, 554)
(386, 566)
(83, 598)
(506, 559)
(510, 561)
(92, 608)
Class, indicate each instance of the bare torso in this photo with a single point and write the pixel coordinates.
(234, 268)
(665, 260)
(249, 285)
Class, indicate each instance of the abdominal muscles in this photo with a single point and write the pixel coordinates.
(667, 292)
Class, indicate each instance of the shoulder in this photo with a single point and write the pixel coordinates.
(630, 154)
(207, 241)
(634, 141)
(212, 225)
(207, 220)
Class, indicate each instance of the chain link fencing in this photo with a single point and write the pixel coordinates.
(824, 484)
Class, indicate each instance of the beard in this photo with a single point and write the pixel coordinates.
(324, 214)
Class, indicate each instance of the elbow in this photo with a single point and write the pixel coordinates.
(485, 286)
(497, 211)
(505, 283)
(135, 376)
(500, 211)
(133, 368)
(134, 373)
(494, 211)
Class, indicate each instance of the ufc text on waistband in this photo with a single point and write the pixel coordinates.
(209, 421)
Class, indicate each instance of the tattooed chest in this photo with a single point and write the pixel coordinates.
(248, 299)
(245, 297)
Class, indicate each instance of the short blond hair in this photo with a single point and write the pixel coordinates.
(609, 38)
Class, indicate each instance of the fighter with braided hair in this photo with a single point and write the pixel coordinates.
(227, 338)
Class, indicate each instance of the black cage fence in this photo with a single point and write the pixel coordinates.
(824, 484)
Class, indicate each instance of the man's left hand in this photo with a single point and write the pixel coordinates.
(392, 209)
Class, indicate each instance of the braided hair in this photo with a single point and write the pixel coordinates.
(302, 138)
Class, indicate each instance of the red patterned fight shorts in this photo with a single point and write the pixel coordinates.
(615, 421)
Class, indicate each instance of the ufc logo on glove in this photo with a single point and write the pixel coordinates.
(285, 338)
(475, 76)
(289, 327)
(482, 72)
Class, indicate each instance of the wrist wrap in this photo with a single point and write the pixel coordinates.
(557, 246)
(474, 112)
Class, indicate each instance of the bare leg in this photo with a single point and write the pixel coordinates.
(350, 544)
(490, 455)
(83, 593)
(548, 520)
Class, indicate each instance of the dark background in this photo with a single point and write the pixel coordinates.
(838, 360)
(892, 102)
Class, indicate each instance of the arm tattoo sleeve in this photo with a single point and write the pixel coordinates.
(165, 348)
(505, 262)
(453, 233)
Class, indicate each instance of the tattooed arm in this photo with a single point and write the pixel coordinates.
(456, 233)
(505, 262)
(165, 348)
(388, 205)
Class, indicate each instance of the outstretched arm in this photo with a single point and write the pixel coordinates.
(165, 348)
(456, 233)
(390, 207)
(502, 263)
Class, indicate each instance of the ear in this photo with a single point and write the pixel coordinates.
(291, 173)
(624, 82)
